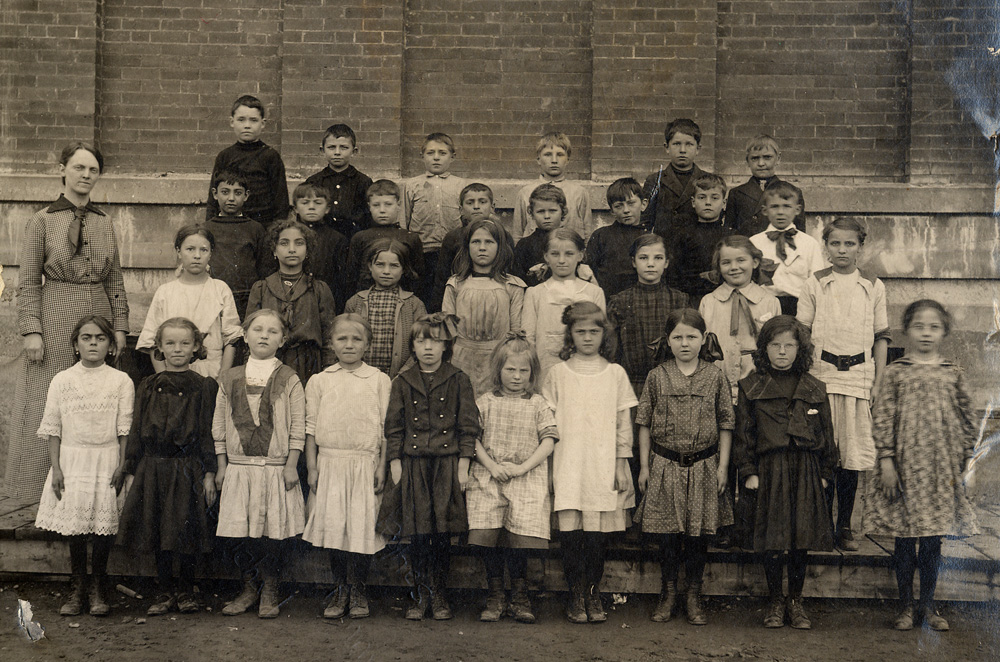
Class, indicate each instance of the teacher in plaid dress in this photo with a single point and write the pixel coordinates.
(72, 244)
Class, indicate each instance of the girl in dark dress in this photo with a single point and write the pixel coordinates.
(172, 455)
(784, 446)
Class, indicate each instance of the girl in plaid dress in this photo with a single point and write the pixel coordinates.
(389, 309)
(484, 296)
(88, 413)
(508, 494)
(685, 420)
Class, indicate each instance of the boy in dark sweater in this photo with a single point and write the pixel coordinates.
(241, 256)
(695, 238)
(259, 164)
(311, 205)
(608, 248)
(383, 205)
(547, 208)
(745, 208)
(669, 190)
(348, 213)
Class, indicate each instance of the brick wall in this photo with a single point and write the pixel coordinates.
(47, 72)
(950, 41)
(827, 79)
(342, 62)
(169, 72)
(495, 75)
(653, 61)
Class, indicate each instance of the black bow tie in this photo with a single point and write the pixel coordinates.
(783, 238)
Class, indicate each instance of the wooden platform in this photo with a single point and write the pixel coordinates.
(971, 569)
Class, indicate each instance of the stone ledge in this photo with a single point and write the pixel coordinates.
(833, 196)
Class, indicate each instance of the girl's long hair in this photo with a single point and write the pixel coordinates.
(579, 312)
(461, 266)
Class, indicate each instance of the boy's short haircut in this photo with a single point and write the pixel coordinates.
(475, 187)
(709, 182)
(382, 187)
(622, 189)
(554, 139)
(439, 137)
(761, 142)
(230, 177)
(781, 189)
(683, 125)
(307, 190)
(547, 193)
(248, 101)
(339, 131)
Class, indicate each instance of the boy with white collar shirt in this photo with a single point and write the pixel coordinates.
(797, 255)
(553, 153)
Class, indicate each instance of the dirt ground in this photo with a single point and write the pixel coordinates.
(843, 630)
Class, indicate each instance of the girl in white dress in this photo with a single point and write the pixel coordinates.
(592, 483)
(345, 455)
(88, 414)
(204, 300)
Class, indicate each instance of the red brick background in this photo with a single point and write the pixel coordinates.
(853, 89)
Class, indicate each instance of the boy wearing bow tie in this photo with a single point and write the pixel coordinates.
(796, 254)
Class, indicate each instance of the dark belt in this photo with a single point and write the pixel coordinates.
(843, 362)
(685, 459)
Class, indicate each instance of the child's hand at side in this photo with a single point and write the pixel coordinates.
(969, 477)
(312, 479)
(891, 486)
(623, 478)
(396, 471)
(118, 479)
(58, 483)
(210, 491)
(643, 479)
(752, 482)
(379, 477)
(463, 472)
(291, 477)
(220, 476)
(722, 477)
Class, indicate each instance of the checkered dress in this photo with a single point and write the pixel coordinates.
(382, 319)
(85, 283)
(512, 429)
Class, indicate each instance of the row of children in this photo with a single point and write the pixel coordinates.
(348, 212)
(785, 426)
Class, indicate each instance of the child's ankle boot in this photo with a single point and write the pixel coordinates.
(359, 601)
(98, 605)
(74, 604)
(797, 614)
(494, 601)
(269, 606)
(338, 602)
(932, 619)
(696, 614)
(576, 610)
(421, 603)
(775, 617)
(665, 607)
(593, 604)
(904, 621)
(520, 603)
(246, 599)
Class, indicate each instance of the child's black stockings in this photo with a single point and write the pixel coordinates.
(99, 559)
(258, 557)
(583, 557)
(845, 483)
(349, 567)
(430, 558)
(165, 570)
(695, 553)
(908, 561)
(516, 560)
(798, 560)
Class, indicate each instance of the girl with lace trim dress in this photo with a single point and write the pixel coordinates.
(88, 414)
